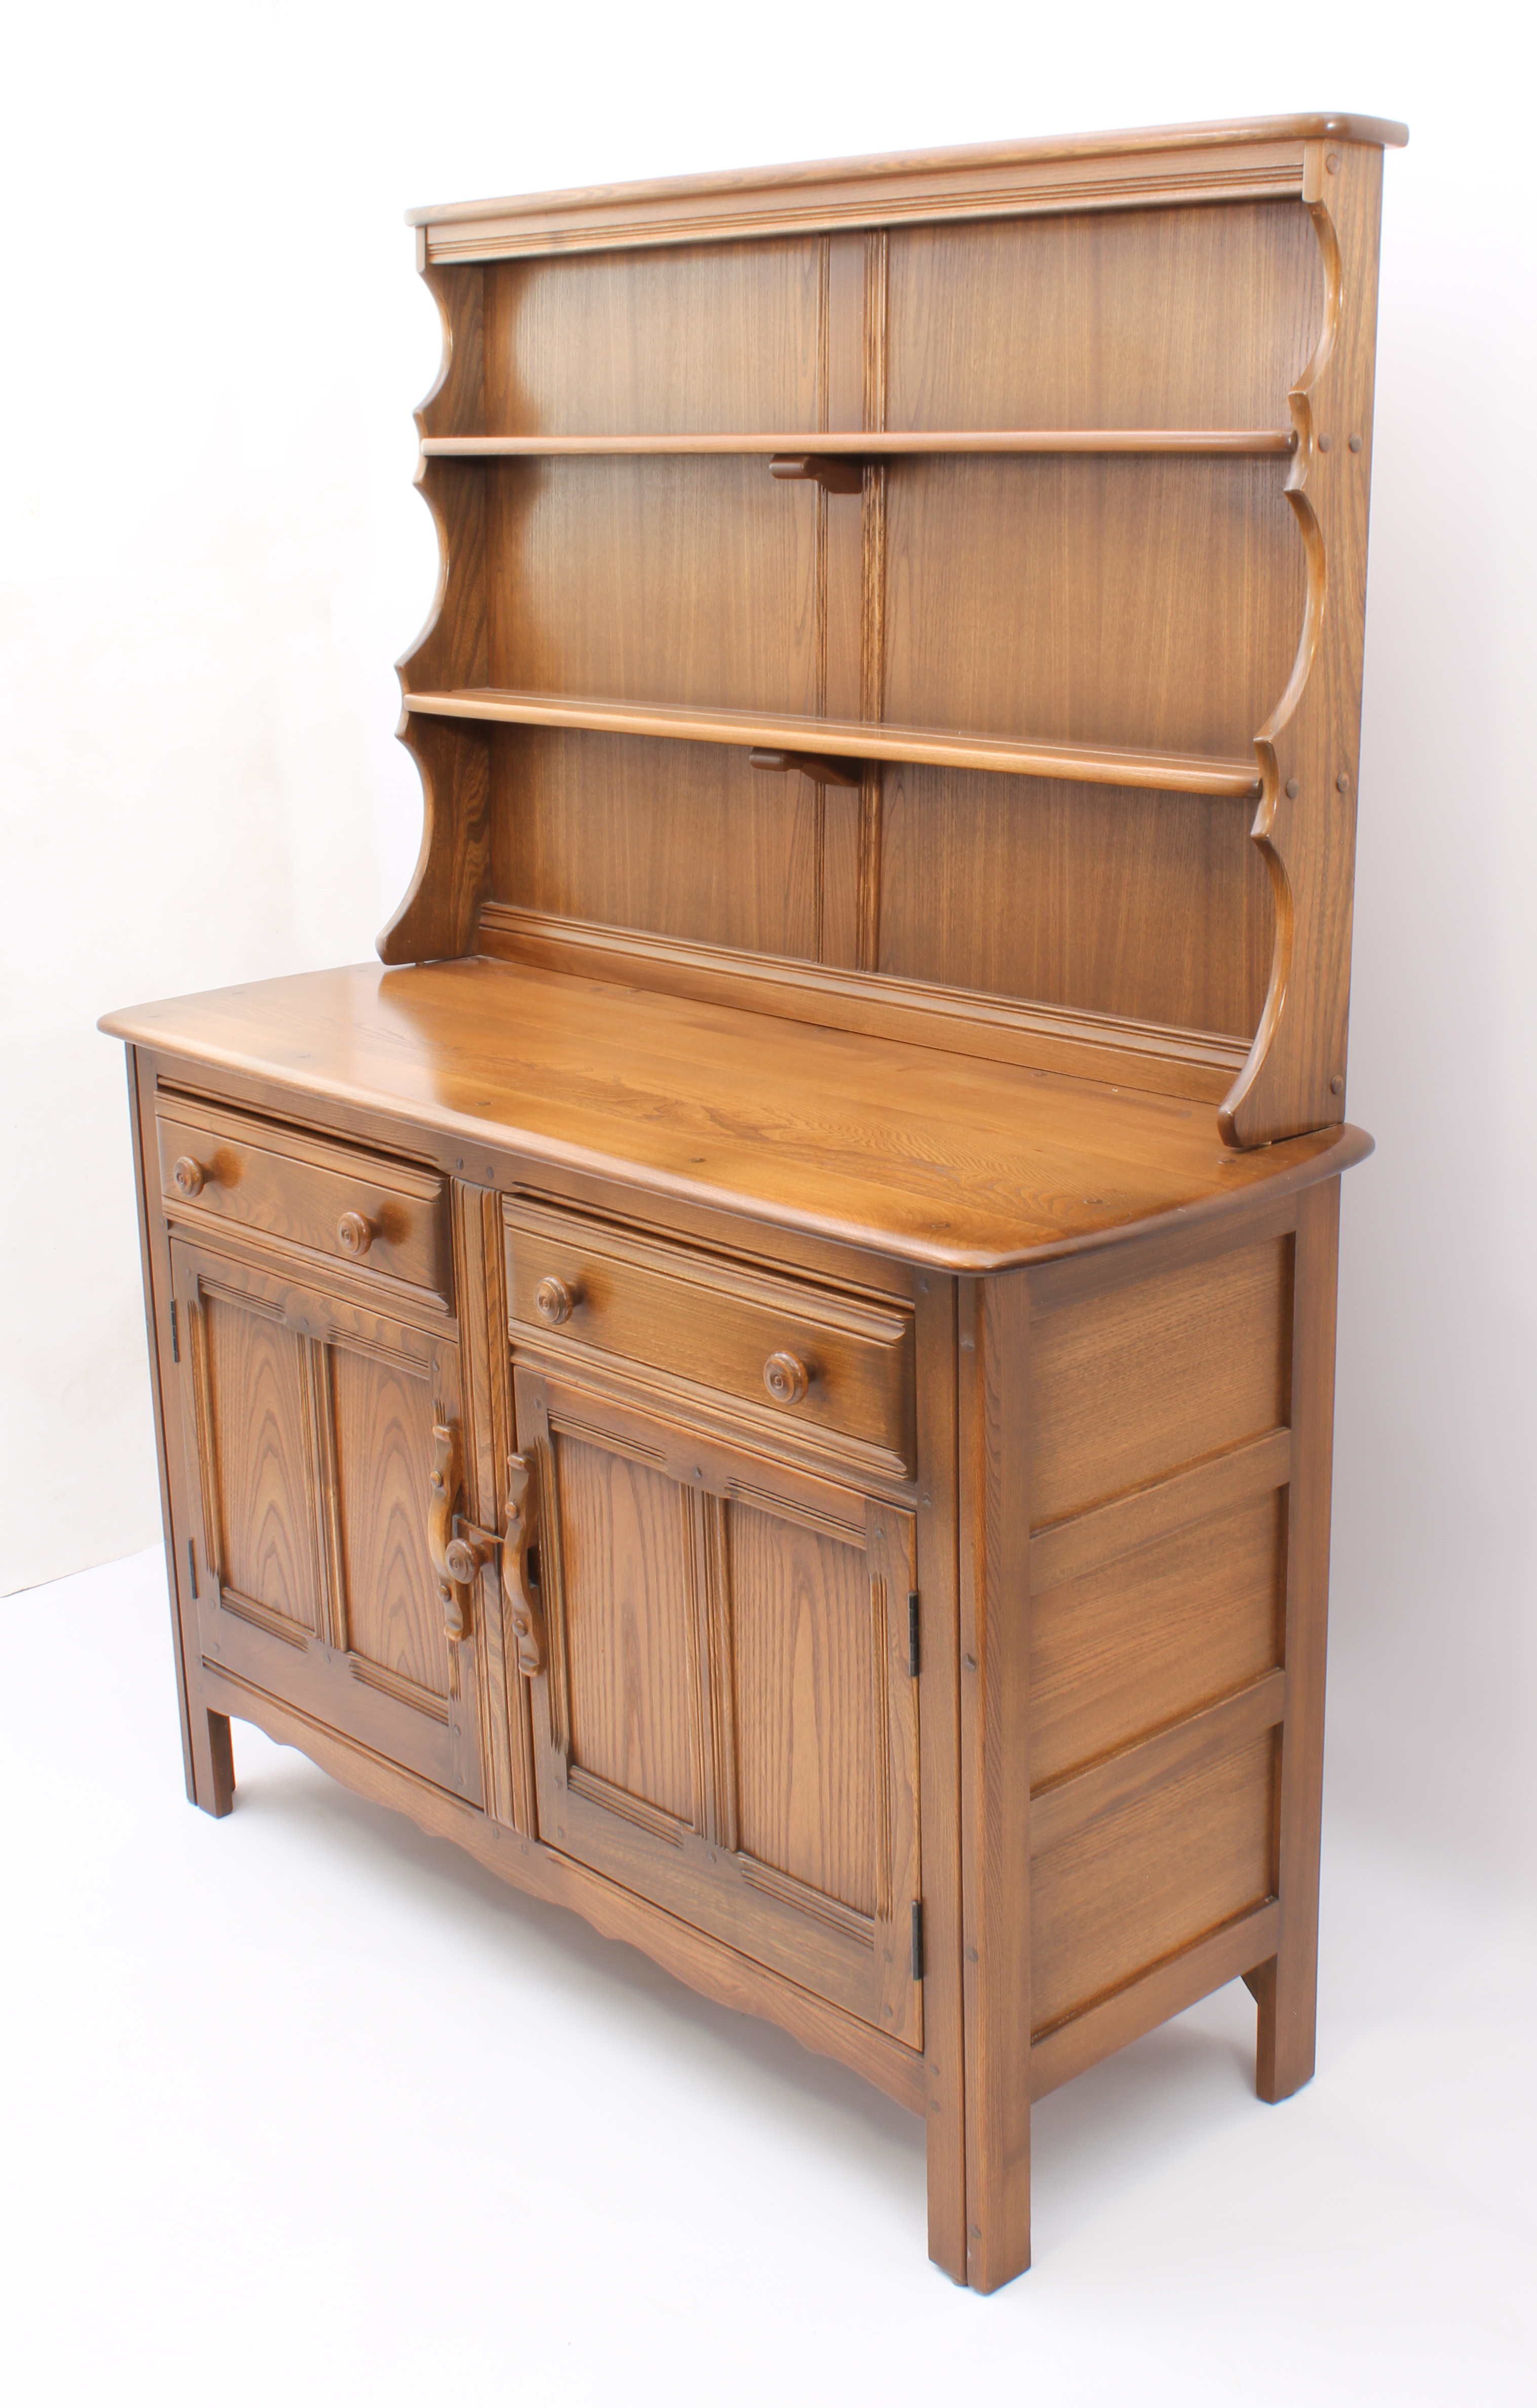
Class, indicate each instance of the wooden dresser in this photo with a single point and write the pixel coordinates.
(769, 1370)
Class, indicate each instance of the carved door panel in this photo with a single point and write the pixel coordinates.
(724, 1715)
(311, 1428)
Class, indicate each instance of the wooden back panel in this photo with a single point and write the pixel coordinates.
(1089, 429)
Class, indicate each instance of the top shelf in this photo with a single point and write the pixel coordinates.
(1249, 442)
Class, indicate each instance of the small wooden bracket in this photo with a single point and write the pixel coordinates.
(818, 766)
(843, 475)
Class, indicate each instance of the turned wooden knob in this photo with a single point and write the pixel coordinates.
(189, 1175)
(554, 1301)
(354, 1235)
(465, 1557)
(785, 1377)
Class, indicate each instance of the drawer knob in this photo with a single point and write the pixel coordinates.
(785, 1377)
(554, 1301)
(354, 1235)
(190, 1175)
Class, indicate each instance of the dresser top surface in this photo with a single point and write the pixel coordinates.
(1306, 126)
(932, 1157)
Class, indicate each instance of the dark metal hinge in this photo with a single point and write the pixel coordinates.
(191, 1565)
(918, 1939)
(912, 1657)
(175, 1334)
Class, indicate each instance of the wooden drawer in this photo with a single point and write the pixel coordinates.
(388, 1218)
(776, 1355)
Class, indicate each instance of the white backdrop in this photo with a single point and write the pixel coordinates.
(211, 555)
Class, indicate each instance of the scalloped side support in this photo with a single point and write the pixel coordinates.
(1309, 748)
(435, 921)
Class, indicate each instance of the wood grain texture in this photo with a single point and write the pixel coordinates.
(1150, 907)
(1154, 1635)
(1309, 746)
(707, 567)
(1078, 322)
(1103, 764)
(720, 1725)
(383, 1424)
(625, 1592)
(717, 1325)
(718, 339)
(1132, 1384)
(260, 1472)
(1140, 1885)
(298, 1189)
(939, 1771)
(1253, 158)
(1170, 1986)
(1141, 603)
(686, 840)
(1289, 1999)
(996, 1413)
(929, 1157)
(1157, 1059)
(208, 1758)
(810, 1757)
(1264, 443)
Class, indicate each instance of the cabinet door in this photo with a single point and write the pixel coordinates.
(311, 1428)
(724, 1715)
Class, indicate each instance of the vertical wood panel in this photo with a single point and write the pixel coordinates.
(261, 1459)
(628, 1588)
(384, 1454)
(808, 1754)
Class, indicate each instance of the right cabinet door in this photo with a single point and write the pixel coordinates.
(725, 1717)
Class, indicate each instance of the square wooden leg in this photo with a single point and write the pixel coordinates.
(210, 1760)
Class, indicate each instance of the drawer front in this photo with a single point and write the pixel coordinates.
(776, 1355)
(385, 1217)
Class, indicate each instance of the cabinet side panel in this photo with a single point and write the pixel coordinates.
(1130, 1386)
(1155, 1635)
(808, 1768)
(1134, 1886)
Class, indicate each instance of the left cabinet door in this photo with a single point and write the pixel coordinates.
(311, 1425)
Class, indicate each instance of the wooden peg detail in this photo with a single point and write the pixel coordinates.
(840, 475)
(819, 767)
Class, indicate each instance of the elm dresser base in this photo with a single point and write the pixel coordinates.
(769, 1371)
